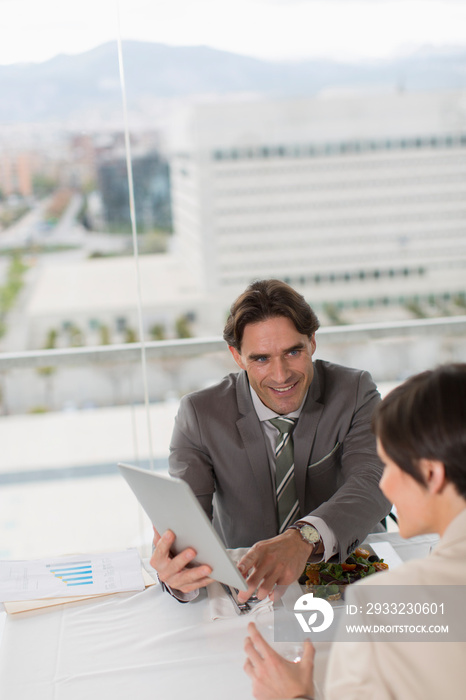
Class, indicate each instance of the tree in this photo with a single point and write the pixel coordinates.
(76, 336)
(157, 331)
(182, 327)
(43, 185)
(104, 332)
(14, 284)
(130, 335)
(47, 372)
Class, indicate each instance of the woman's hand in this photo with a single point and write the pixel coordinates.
(273, 676)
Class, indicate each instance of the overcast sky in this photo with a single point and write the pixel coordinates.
(35, 30)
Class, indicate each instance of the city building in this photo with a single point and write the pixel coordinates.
(16, 173)
(151, 190)
(93, 297)
(356, 200)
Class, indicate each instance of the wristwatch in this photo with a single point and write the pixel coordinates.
(308, 533)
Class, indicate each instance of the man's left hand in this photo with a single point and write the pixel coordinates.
(278, 561)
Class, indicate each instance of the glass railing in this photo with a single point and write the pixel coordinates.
(69, 415)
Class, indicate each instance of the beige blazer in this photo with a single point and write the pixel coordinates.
(407, 670)
(219, 448)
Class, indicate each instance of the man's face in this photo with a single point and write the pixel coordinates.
(278, 361)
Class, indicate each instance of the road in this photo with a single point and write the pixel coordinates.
(32, 229)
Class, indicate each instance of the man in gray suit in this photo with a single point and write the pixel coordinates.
(228, 445)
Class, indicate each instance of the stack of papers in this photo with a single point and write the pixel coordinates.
(26, 585)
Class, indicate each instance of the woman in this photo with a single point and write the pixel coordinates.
(421, 439)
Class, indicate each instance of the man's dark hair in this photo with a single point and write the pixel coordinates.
(425, 418)
(268, 299)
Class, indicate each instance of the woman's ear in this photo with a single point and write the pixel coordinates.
(434, 474)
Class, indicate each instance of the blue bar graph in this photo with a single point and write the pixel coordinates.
(78, 573)
(71, 572)
(60, 565)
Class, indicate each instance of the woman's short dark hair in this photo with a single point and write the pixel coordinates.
(268, 299)
(425, 418)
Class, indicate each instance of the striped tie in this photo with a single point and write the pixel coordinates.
(287, 500)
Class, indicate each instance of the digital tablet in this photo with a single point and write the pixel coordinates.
(171, 505)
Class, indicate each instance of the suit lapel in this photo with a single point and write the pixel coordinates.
(254, 444)
(304, 434)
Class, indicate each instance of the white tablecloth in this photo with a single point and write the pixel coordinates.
(140, 645)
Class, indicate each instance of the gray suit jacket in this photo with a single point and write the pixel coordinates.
(219, 448)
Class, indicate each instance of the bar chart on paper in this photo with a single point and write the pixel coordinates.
(77, 574)
(93, 574)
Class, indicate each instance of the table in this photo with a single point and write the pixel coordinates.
(138, 645)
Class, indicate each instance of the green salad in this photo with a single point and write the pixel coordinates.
(325, 580)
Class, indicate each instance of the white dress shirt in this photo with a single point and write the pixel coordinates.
(270, 432)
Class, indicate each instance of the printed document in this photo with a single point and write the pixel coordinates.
(82, 574)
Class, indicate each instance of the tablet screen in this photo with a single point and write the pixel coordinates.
(171, 505)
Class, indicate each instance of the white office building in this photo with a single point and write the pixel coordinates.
(356, 200)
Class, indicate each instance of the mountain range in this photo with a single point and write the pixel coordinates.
(77, 87)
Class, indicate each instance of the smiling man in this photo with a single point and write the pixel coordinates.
(278, 361)
(280, 455)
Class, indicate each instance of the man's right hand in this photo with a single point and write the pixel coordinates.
(174, 570)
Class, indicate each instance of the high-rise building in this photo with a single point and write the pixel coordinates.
(355, 200)
(151, 190)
